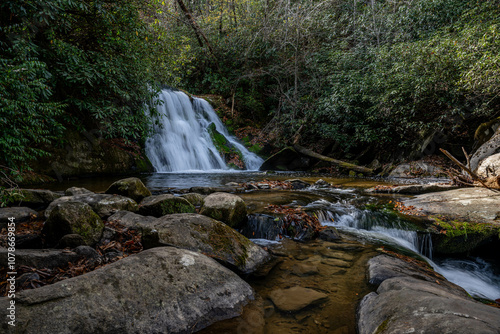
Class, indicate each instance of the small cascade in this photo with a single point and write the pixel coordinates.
(476, 276)
(183, 142)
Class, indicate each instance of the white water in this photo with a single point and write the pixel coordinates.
(183, 142)
(477, 276)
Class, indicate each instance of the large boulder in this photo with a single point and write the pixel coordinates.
(489, 167)
(102, 204)
(37, 199)
(131, 187)
(165, 204)
(203, 234)
(194, 198)
(20, 214)
(73, 218)
(491, 147)
(162, 290)
(409, 303)
(225, 207)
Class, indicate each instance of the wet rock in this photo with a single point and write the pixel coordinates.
(73, 191)
(194, 198)
(73, 218)
(211, 190)
(410, 299)
(40, 258)
(71, 241)
(413, 189)
(211, 237)
(162, 290)
(298, 184)
(260, 226)
(36, 199)
(165, 204)
(296, 298)
(228, 208)
(489, 167)
(261, 185)
(102, 204)
(21, 215)
(131, 187)
(416, 168)
(329, 234)
(322, 184)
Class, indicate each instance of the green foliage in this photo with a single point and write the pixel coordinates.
(73, 63)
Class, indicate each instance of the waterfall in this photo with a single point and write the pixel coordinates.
(183, 141)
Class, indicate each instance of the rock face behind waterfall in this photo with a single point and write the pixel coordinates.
(184, 142)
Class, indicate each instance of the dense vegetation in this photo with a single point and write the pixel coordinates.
(339, 75)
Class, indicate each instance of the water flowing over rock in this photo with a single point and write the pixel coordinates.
(184, 143)
(162, 290)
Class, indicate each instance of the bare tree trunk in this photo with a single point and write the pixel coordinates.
(199, 34)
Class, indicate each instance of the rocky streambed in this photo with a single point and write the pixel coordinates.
(175, 262)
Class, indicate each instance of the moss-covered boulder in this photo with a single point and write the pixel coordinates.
(458, 237)
(194, 198)
(73, 191)
(225, 207)
(130, 187)
(37, 199)
(102, 204)
(73, 218)
(165, 204)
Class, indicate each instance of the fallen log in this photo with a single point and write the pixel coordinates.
(471, 173)
(343, 164)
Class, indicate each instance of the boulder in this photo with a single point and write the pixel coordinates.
(286, 159)
(298, 184)
(228, 208)
(40, 258)
(102, 204)
(73, 218)
(329, 234)
(410, 300)
(162, 290)
(131, 187)
(296, 298)
(165, 204)
(37, 199)
(145, 225)
(194, 198)
(208, 236)
(489, 167)
(416, 169)
(261, 226)
(73, 191)
(71, 241)
(491, 147)
(20, 214)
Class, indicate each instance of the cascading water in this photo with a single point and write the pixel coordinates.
(477, 277)
(183, 142)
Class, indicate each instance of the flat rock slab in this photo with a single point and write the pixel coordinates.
(161, 290)
(40, 258)
(473, 203)
(412, 189)
(411, 301)
(296, 298)
(21, 214)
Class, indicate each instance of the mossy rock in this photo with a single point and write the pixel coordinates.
(130, 187)
(73, 218)
(161, 205)
(458, 237)
(194, 198)
(33, 198)
(228, 208)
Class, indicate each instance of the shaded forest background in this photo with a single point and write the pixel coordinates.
(349, 78)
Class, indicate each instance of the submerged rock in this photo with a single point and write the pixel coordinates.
(102, 204)
(73, 218)
(406, 302)
(162, 290)
(228, 208)
(296, 298)
(131, 187)
(165, 204)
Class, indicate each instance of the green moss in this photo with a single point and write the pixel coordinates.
(176, 206)
(383, 326)
(458, 236)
